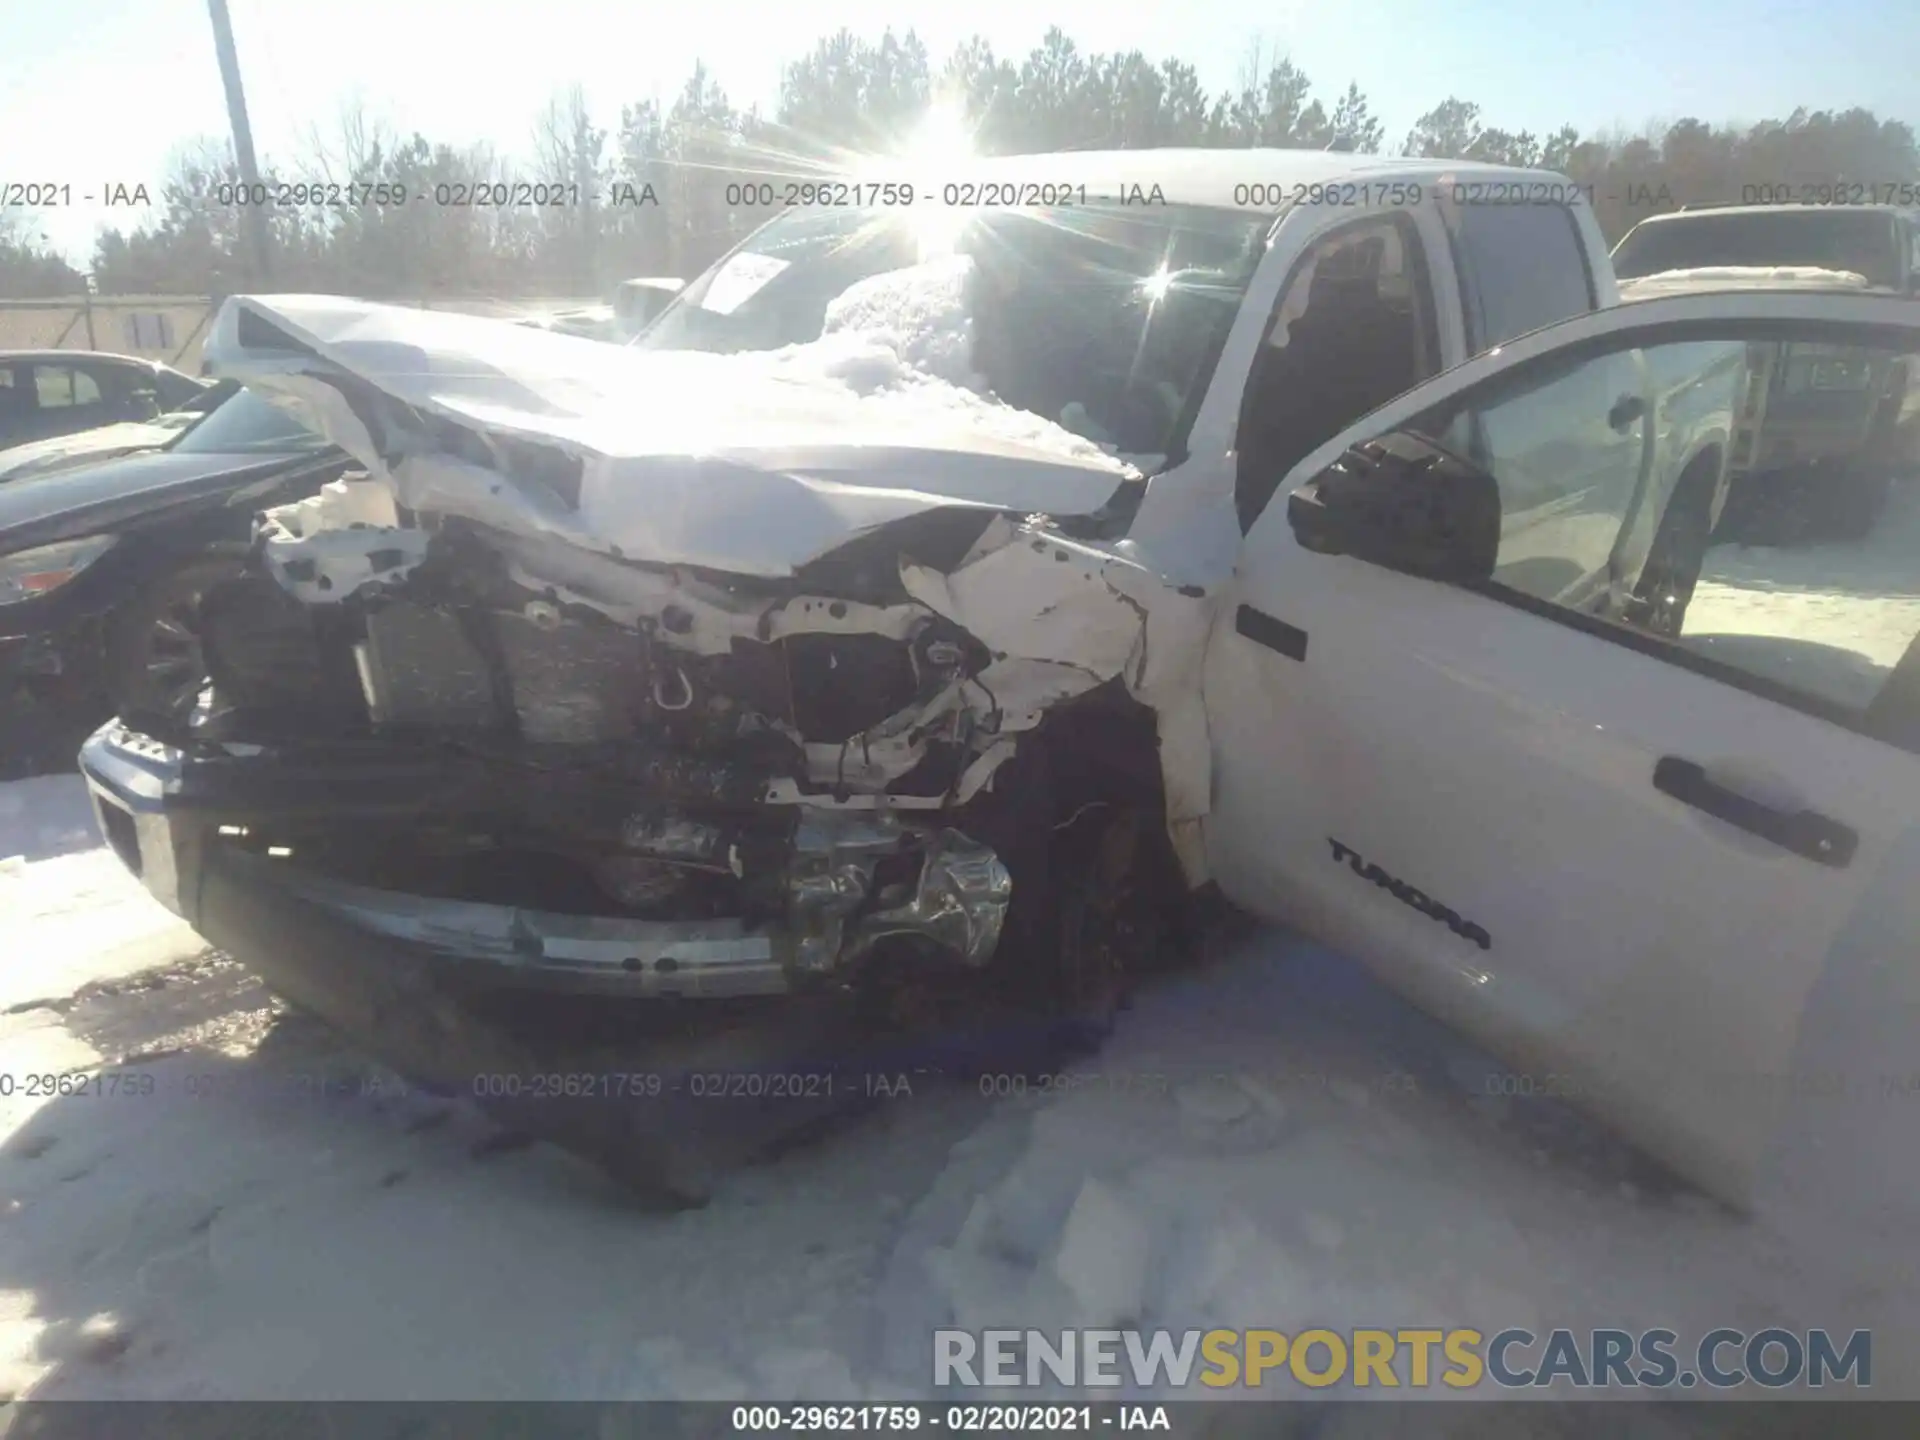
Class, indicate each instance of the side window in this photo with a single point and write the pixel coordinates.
(61, 386)
(174, 390)
(53, 386)
(1354, 328)
(1813, 577)
(1772, 538)
(1567, 445)
(1523, 267)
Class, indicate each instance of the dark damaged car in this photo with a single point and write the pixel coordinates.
(103, 563)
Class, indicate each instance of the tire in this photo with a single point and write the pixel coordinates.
(1108, 930)
(154, 661)
(1058, 983)
(1862, 499)
(1113, 920)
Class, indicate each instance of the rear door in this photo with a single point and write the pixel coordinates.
(1650, 871)
(68, 399)
(1522, 267)
(17, 407)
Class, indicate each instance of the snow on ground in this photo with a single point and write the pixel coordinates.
(250, 1212)
(70, 912)
(1269, 1140)
(1860, 599)
(1321, 1155)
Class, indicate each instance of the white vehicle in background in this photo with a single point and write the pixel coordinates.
(1879, 244)
(1825, 434)
(1313, 526)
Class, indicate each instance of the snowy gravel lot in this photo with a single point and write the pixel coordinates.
(1270, 1140)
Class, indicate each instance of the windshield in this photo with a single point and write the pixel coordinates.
(246, 424)
(1862, 241)
(203, 402)
(1107, 320)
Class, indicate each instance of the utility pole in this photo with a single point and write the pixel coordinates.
(254, 217)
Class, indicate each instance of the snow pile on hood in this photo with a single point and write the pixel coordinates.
(1741, 277)
(896, 395)
(920, 313)
(903, 342)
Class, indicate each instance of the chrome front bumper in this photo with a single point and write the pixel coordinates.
(129, 780)
(167, 830)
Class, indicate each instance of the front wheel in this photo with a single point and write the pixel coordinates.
(1058, 983)
(1110, 926)
(155, 663)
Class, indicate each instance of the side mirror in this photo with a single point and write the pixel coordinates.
(1626, 411)
(1405, 503)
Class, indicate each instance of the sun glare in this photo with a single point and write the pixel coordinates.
(942, 138)
(934, 154)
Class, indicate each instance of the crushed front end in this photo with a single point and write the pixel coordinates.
(645, 719)
(538, 791)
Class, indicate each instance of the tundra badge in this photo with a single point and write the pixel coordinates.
(1407, 895)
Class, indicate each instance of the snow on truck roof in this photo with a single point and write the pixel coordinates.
(1740, 277)
(1252, 180)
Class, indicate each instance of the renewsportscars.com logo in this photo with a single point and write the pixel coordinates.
(1399, 1359)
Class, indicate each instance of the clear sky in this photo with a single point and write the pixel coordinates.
(103, 91)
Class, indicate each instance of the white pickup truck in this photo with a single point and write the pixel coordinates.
(1311, 526)
(1824, 434)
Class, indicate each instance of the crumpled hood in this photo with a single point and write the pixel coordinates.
(753, 464)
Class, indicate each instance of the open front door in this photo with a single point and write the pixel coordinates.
(1647, 839)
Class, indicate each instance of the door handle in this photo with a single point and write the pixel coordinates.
(1807, 833)
(1626, 410)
